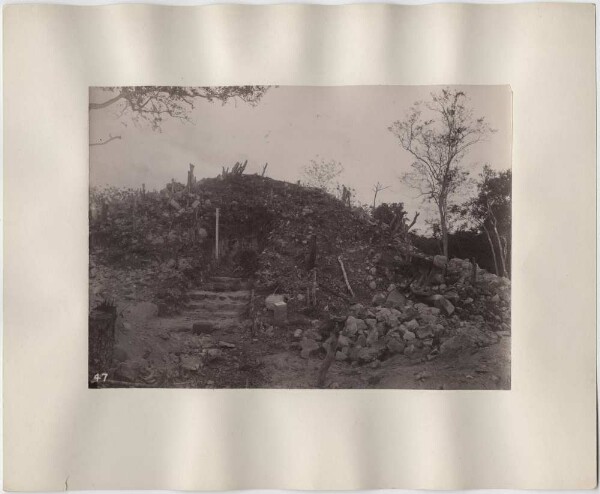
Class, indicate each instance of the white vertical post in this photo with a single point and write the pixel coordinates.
(217, 235)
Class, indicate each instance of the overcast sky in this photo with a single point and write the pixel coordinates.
(289, 127)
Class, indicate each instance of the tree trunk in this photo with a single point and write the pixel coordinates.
(487, 233)
(499, 242)
(444, 229)
(506, 254)
(494, 224)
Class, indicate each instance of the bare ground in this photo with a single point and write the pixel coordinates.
(222, 352)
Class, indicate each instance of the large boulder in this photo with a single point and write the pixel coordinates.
(361, 341)
(351, 327)
(393, 321)
(383, 315)
(308, 347)
(436, 279)
(456, 344)
(409, 336)
(452, 296)
(412, 325)
(395, 300)
(361, 325)
(357, 310)
(442, 303)
(426, 332)
(343, 341)
(395, 344)
(371, 323)
(409, 314)
(379, 299)
(440, 261)
(371, 353)
(428, 318)
(271, 300)
(372, 337)
(365, 355)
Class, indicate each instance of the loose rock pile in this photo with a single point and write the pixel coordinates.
(443, 319)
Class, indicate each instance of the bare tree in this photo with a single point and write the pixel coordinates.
(438, 134)
(377, 188)
(152, 104)
(321, 174)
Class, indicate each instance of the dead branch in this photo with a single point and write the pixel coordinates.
(333, 346)
(102, 143)
(333, 292)
(413, 222)
(345, 276)
(236, 170)
(314, 286)
(377, 189)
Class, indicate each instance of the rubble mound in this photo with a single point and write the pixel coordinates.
(321, 257)
(265, 231)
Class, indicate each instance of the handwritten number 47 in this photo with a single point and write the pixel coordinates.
(100, 377)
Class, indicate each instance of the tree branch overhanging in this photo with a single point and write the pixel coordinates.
(152, 103)
(102, 143)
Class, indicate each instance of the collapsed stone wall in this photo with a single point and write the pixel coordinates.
(443, 313)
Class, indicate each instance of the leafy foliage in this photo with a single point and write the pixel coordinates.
(438, 134)
(151, 104)
(385, 213)
(490, 212)
(321, 174)
(493, 199)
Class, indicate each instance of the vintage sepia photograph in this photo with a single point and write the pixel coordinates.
(334, 237)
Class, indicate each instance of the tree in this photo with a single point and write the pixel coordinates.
(490, 210)
(377, 188)
(321, 174)
(395, 217)
(152, 104)
(389, 213)
(438, 135)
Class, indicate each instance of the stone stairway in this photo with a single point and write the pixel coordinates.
(203, 343)
(221, 302)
